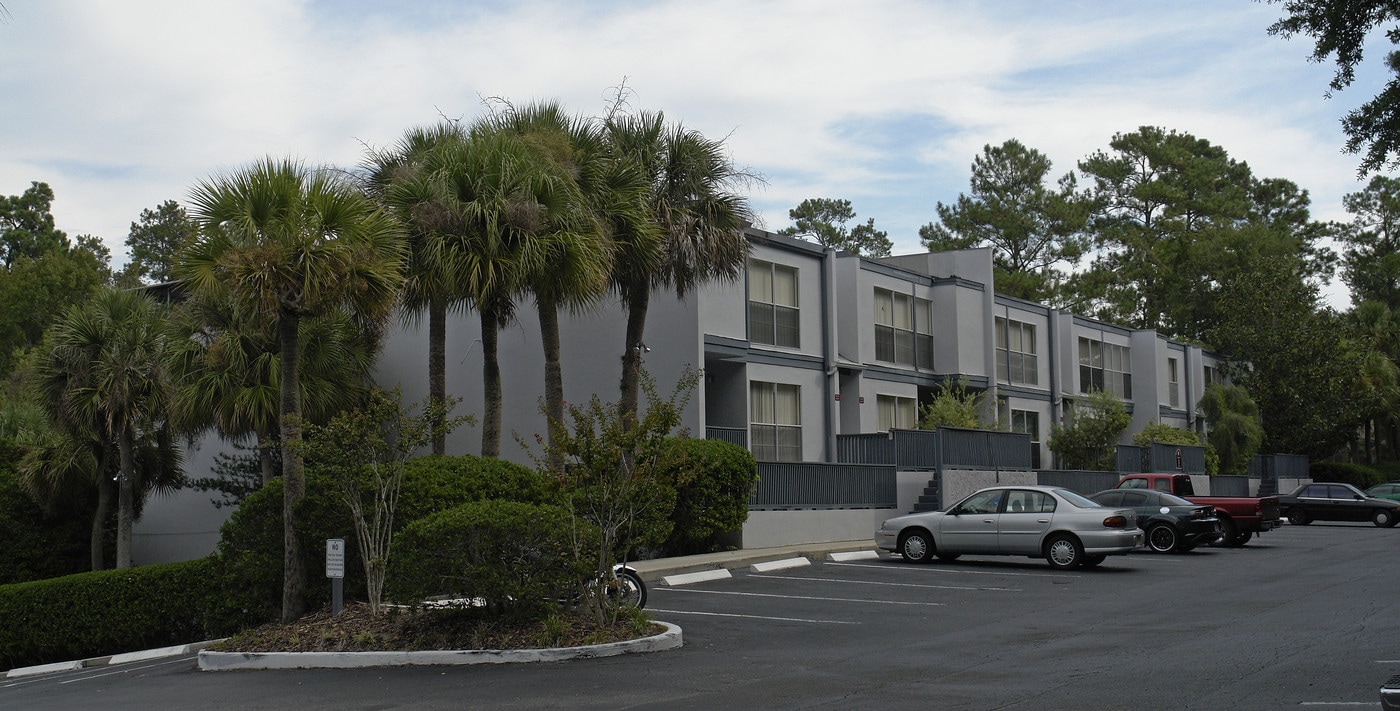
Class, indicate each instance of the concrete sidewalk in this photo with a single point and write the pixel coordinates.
(652, 571)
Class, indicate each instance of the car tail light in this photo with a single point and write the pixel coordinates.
(1203, 512)
(1115, 522)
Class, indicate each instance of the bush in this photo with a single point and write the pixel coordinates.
(250, 546)
(109, 611)
(1358, 475)
(38, 545)
(516, 557)
(1095, 424)
(713, 481)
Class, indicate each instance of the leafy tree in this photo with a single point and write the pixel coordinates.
(1032, 230)
(364, 450)
(694, 204)
(615, 477)
(1087, 441)
(823, 220)
(955, 406)
(154, 240)
(1235, 430)
(291, 243)
(1376, 332)
(103, 376)
(1372, 242)
(1166, 434)
(1340, 28)
(1292, 357)
(27, 226)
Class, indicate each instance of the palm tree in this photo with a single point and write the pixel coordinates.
(400, 180)
(102, 376)
(228, 368)
(607, 198)
(701, 218)
(293, 242)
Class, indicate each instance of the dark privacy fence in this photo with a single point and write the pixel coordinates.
(816, 485)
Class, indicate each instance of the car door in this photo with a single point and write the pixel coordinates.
(1346, 505)
(1024, 520)
(971, 526)
(1315, 499)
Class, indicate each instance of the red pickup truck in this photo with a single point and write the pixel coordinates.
(1240, 517)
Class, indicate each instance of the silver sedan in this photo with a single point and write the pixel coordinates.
(1065, 528)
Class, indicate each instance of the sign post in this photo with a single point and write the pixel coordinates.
(335, 570)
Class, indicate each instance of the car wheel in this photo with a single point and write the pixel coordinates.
(1162, 538)
(1228, 531)
(1091, 561)
(1298, 517)
(1063, 552)
(949, 557)
(916, 547)
(1383, 518)
(1242, 538)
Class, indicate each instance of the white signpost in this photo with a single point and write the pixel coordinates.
(335, 570)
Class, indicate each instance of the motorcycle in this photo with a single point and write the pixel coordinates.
(627, 587)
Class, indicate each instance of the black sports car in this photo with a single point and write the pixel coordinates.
(1171, 522)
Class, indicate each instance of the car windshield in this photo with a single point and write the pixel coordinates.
(1077, 500)
(1174, 500)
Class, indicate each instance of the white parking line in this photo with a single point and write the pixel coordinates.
(966, 571)
(1339, 703)
(754, 617)
(804, 597)
(879, 582)
(125, 669)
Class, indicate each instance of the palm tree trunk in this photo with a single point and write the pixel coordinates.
(125, 499)
(293, 477)
(437, 369)
(553, 379)
(99, 519)
(265, 458)
(637, 304)
(491, 386)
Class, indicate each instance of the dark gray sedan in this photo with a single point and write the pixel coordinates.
(1171, 523)
(1065, 528)
(1336, 502)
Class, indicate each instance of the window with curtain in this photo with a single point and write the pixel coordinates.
(1017, 362)
(896, 412)
(1105, 366)
(775, 421)
(903, 329)
(1173, 383)
(773, 310)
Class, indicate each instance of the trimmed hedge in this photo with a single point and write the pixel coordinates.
(1358, 475)
(250, 547)
(38, 546)
(516, 557)
(110, 611)
(713, 481)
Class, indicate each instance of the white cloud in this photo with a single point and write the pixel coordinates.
(122, 105)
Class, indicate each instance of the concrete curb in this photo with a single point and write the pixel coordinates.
(229, 661)
(114, 659)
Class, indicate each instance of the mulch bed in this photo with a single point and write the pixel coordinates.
(401, 629)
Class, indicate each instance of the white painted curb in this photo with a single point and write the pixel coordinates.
(43, 669)
(780, 564)
(853, 555)
(224, 661)
(146, 654)
(700, 577)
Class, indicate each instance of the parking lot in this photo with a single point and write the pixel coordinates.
(1304, 617)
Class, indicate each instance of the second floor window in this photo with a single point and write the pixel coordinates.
(773, 315)
(896, 412)
(775, 422)
(1173, 383)
(903, 329)
(1017, 363)
(1105, 366)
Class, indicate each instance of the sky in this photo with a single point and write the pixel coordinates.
(121, 105)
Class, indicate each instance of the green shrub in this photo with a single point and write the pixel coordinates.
(39, 545)
(516, 557)
(713, 481)
(108, 612)
(250, 547)
(1358, 475)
